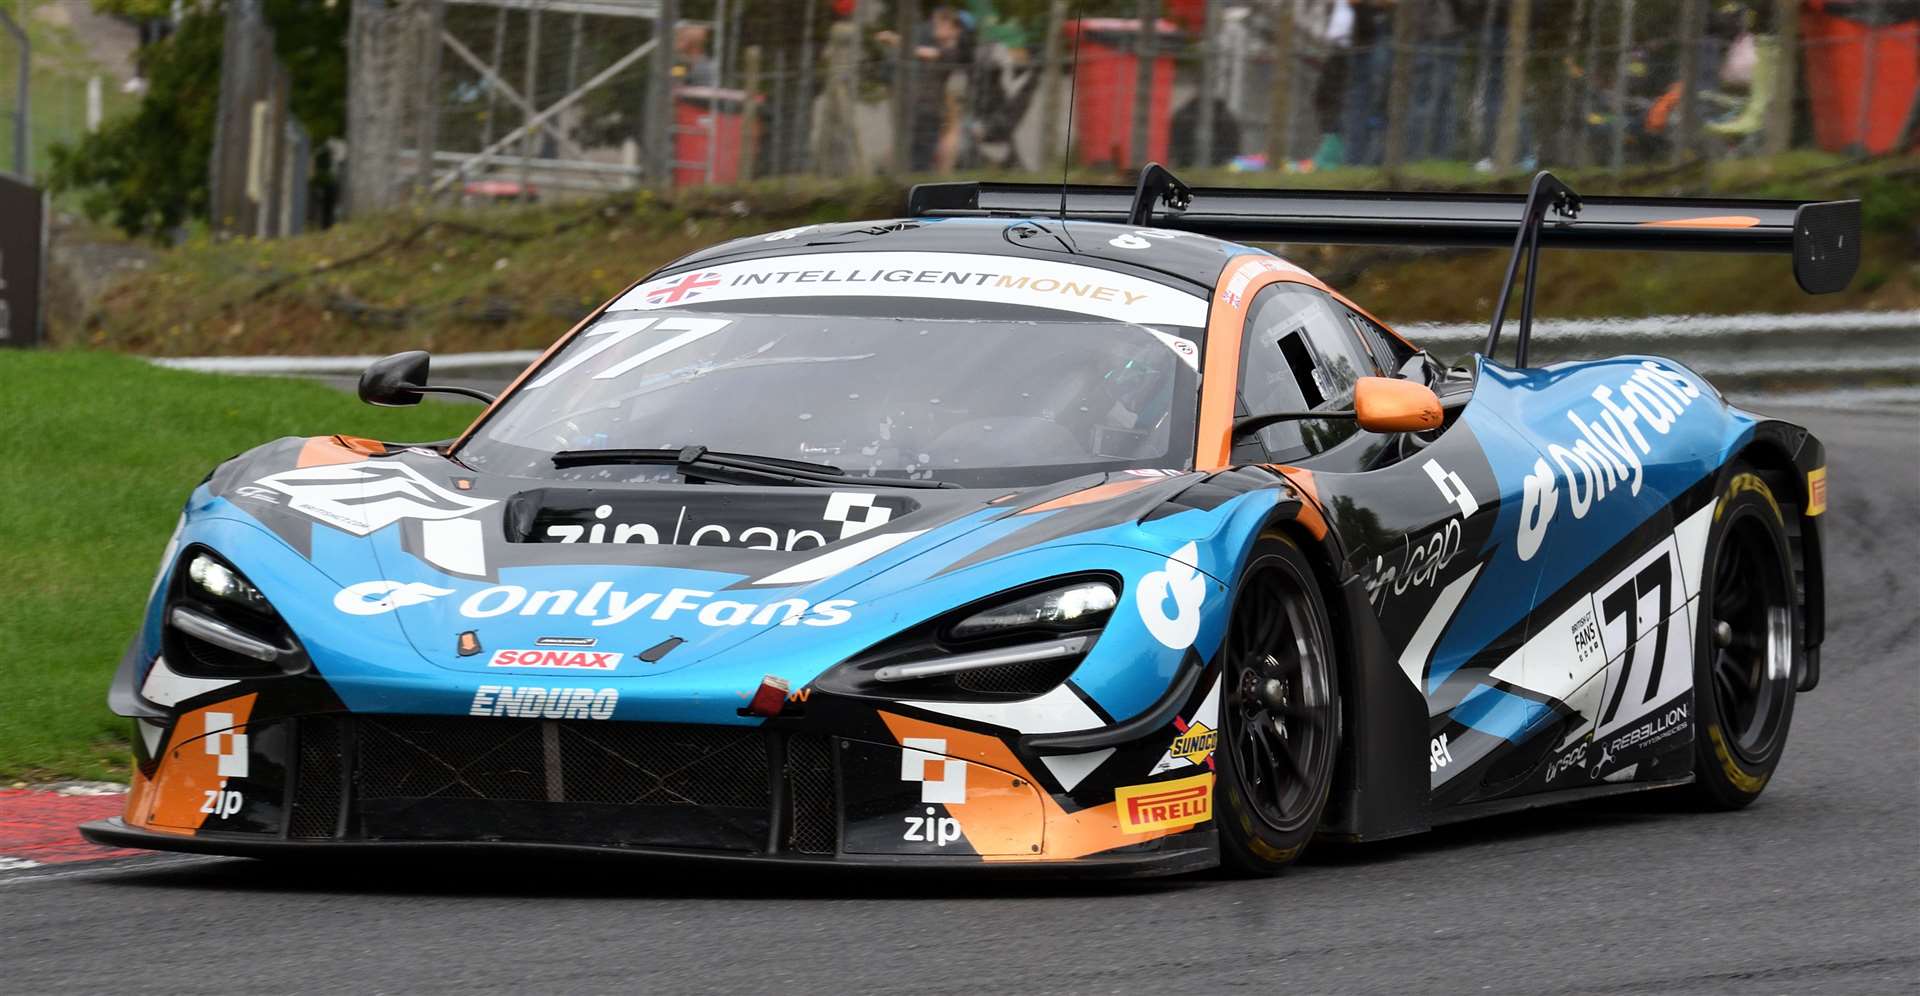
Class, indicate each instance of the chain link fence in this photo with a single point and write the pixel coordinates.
(486, 99)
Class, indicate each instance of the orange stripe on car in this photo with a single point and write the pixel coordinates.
(1242, 278)
(323, 450)
(1711, 221)
(1310, 515)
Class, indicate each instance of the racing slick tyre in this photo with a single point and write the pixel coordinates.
(1279, 712)
(1743, 675)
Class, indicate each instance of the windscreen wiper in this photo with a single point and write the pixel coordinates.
(700, 463)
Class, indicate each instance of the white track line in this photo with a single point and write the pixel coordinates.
(108, 866)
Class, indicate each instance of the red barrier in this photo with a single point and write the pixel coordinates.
(1851, 109)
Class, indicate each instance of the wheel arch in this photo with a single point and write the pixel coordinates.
(1790, 459)
(1379, 787)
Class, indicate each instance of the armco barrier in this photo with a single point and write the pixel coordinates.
(1739, 352)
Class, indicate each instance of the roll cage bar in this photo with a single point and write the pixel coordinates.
(1823, 237)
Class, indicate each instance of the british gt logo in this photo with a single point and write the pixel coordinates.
(567, 660)
(1165, 805)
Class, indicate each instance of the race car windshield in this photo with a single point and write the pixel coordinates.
(977, 403)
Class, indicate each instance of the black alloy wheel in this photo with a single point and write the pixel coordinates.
(1279, 709)
(1744, 681)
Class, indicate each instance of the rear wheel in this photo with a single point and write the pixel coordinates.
(1743, 671)
(1279, 712)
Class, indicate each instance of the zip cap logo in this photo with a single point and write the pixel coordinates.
(1178, 587)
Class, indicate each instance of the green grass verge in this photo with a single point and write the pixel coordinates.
(99, 452)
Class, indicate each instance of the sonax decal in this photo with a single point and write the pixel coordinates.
(1165, 805)
(558, 660)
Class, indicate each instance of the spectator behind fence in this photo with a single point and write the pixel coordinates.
(1329, 24)
(941, 53)
(691, 66)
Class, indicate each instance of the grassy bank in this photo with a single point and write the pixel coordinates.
(517, 277)
(99, 453)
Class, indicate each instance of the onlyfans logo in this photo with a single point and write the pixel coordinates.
(1169, 599)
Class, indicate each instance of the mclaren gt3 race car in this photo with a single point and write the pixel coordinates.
(1090, 538)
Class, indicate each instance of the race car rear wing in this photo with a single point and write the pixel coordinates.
(1823, 237)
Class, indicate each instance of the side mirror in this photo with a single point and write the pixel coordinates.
(399, 380)
(1384, 404)
(1380, 404)
(395, 381)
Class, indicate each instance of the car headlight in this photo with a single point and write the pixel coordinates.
(218, 625)
(1015, 644)
(217, 579)
(1074, 606)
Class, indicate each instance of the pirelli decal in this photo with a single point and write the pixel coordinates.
(1165, 805)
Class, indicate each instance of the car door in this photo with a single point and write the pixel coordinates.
(1420, 521)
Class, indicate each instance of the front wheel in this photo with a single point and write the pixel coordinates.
(1743, 673)
(1279, 712)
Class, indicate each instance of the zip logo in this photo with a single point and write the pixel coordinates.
(230, 750)
(222, 802)
(919, 756)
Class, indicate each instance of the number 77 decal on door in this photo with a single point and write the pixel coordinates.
(1645, 614)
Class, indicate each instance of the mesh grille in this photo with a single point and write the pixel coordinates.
(632, 763)
(617, 764)
(431, 757)
(1024, 679)
(316, 799)
(813, 825)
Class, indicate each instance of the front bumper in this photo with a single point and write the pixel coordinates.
(886, 793)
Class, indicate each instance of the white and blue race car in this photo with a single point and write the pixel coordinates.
(999, 536)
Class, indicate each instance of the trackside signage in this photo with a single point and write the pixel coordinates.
(946, 275)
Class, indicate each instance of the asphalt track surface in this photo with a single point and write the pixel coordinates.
(1814, 889)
